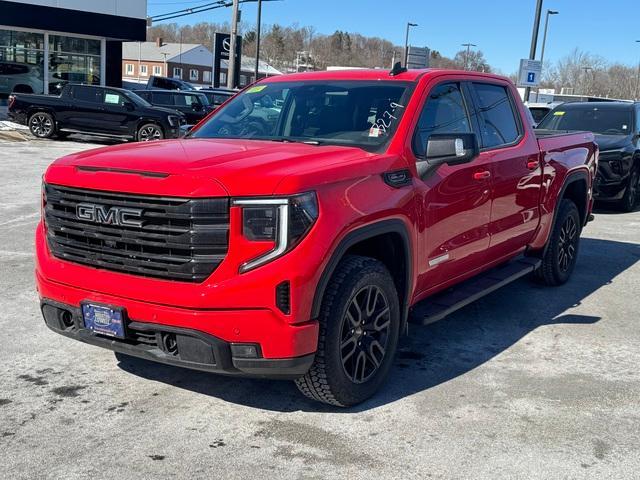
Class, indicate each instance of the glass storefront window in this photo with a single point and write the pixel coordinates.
(22, 57)
(73, 59)
(21, 62)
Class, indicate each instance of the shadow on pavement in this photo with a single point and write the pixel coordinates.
(436, 353)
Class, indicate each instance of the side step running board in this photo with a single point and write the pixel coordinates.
(442, 304)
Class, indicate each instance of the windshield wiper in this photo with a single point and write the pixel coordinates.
(294, 140)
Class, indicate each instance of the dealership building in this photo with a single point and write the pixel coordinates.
(46, 43)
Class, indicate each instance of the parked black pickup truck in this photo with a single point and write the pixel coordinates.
(617, 129)
(103, 111)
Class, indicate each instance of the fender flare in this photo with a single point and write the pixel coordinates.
(572, 177)
(356, 236)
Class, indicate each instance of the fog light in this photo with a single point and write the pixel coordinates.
(240, 350)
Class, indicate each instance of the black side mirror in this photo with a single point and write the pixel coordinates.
(129, 106)
(452, 149)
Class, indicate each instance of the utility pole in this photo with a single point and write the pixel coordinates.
(638, 79)
(406, 42)
(231, 72)
(586, 69)
(534, 41)
(466, 59)
(259, 21)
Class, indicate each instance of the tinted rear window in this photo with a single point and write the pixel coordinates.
(85, 94)
(497, 119)
(13, 69)
(597, 119)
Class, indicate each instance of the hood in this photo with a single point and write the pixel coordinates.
(241, 167)
(612, 142)
(164, 110)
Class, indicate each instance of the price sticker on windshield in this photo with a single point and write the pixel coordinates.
(256, 89)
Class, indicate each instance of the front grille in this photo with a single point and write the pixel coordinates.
(178, 238)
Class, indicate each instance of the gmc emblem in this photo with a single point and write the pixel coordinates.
(125, 217)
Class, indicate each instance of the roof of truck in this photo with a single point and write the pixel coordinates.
(374, 74)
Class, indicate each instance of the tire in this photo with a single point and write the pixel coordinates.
(149, 132)
(559, 259)
(632, 194)
(42, 125)
(360, 312)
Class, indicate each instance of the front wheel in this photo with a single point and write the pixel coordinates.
(559, 258)
(149, 132)
(632, 194)
(42, 125)
(359, 328)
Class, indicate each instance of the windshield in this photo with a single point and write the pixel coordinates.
(354, 113)
(137, 99)
(539, 113)
(601, 120)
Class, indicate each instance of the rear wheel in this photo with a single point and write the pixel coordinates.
(632, 194)
(559, 259)
(359, 328)
(149, 132)
(42, 125)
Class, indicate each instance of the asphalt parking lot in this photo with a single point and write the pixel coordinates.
(530, 382)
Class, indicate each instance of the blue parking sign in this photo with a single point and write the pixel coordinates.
(531, 77)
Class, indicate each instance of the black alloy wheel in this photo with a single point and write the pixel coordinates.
(150, 132)
(42, 125)
(567, 248)
(632, 195)
(365, 332)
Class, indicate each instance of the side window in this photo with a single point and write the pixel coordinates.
(443, 113)
(85, 94)
(162, 98)
(498, 124)
(111, 97)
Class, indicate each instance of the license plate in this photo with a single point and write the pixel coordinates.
(103, 320)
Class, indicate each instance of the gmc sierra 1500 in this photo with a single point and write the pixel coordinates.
(295, 231)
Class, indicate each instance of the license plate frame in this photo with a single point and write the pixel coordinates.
(101, 319)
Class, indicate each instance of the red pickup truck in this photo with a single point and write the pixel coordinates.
(296, 230)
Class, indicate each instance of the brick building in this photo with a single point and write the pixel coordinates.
(187, 61)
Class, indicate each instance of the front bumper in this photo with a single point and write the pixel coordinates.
(608, 191)
(189, 348)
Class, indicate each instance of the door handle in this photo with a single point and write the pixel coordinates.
(533, 164)
(482, 175)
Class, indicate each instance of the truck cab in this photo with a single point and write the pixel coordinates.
(296, 231)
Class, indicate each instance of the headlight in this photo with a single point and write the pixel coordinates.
(284, 221)
(174, 120)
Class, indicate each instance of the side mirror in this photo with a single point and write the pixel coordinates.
(129, 106)
(185, 130)
(452, 149)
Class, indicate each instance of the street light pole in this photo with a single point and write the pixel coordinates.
(534, 40)
(406, 42)
(231, 71)
(544, 38)
(258, 39)
(466, 59)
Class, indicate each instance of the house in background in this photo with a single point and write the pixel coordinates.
(190, 62)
